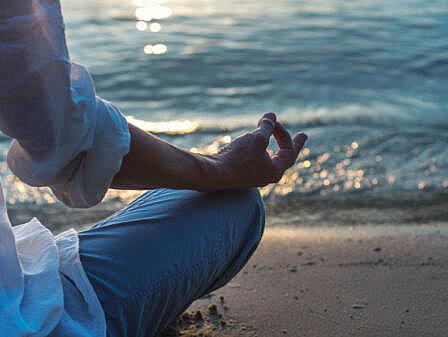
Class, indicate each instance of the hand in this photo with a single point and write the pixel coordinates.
(245, 161)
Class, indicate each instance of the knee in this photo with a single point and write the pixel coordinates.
(259, 216)
(256, 201)
(243, 233)
(252, 206)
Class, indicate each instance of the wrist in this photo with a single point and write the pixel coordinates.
(213, 174)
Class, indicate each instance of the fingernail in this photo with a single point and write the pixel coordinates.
(271, 115)
(303, 139)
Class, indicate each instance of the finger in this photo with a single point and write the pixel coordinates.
(267, 125)
(283, 137)
(283, 160)
(286, 157)
(299, 141)
(269, 115)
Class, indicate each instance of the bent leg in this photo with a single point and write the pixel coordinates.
(150, 261)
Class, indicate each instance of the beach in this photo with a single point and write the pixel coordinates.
(357, 230)
(324, 268)
(321, 281)
(383, 273)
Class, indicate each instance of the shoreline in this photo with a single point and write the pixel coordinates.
(305, 211)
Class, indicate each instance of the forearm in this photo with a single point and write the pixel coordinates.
(244, 163)
(154, 163)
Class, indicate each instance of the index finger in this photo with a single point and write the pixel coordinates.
(267, 125)
(286, 155)
(282, 136)
(289, 148)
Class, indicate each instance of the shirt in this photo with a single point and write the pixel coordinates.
(64, 137)
(32, 301)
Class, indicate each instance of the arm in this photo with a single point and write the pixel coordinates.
(74, 142)
(64, 136)
(154, 163)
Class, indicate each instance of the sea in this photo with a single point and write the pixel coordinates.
(367, 80)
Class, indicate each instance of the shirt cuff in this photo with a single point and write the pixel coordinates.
(98, 166)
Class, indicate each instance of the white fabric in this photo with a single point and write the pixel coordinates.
(31, 293)
(64, 135)
(67, 138)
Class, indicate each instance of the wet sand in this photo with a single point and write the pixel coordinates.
(315, 282)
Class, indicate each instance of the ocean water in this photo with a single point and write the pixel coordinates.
(367, 80)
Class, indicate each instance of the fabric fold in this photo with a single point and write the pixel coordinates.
(31, 295)
(64, 135)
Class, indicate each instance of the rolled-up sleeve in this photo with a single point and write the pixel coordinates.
(64, 135)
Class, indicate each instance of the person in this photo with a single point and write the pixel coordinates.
(134, 272)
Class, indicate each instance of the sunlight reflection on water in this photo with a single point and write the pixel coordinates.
(147, 14)
(365, 79)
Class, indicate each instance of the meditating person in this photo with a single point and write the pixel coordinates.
(135, 272)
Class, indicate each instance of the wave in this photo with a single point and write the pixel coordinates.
(352, 115)
(308, 118)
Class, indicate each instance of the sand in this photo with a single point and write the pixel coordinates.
(315, 282)
(351, 268)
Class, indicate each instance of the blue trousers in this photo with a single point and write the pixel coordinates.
(151, 260)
